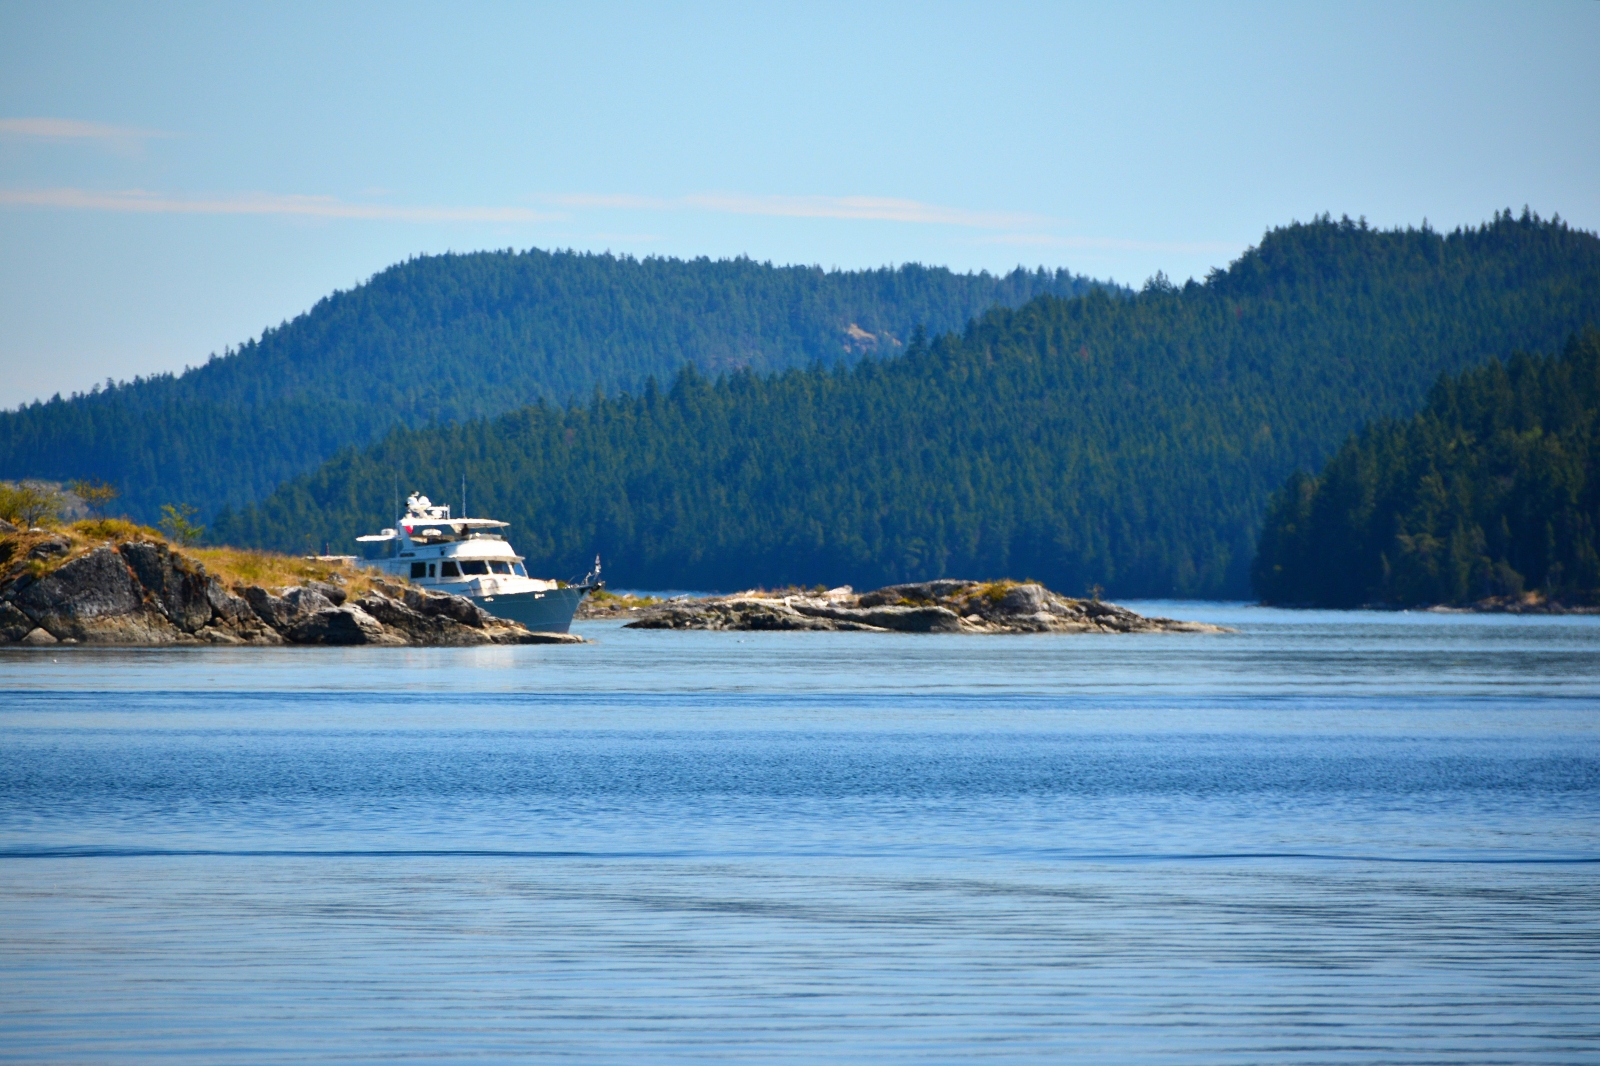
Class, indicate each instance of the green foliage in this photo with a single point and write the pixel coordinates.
(1490, 490)
(1127, 442)
(178, 523)
(453, 337)
(995, 591)
(28, 503)
(96, 495)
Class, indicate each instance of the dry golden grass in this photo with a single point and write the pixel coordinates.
(240, 566)
(604, 604)
(232, 566)
(103, 530)
(995, 591)
(604, 598)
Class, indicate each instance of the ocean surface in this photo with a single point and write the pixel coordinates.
(1327, 838)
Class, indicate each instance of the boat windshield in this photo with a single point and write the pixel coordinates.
(433, 532)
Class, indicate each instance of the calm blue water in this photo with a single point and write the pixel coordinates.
(1327, 839)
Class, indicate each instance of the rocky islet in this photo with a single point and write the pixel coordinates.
(946, 606)
(142, 592)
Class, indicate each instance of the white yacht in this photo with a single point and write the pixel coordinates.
(468, 557)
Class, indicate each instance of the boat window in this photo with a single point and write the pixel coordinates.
(500, 568)
(430, 569)
(474, 566)
(449, 569)
(419, 569)
(517, 569)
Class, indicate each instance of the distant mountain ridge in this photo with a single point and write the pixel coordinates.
(454, 337)
(1128, 442)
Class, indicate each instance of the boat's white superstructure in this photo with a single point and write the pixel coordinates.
(469, 557)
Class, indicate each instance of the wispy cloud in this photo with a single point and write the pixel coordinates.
(139, 201)
(71, 129)
(1109, 244)
(857, 208)
(860, 208)
(884, 209)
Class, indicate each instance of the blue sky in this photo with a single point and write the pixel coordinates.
(176, 177)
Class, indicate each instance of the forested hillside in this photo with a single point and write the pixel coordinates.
(1491, 490)
(1132, 443)
(454, 337)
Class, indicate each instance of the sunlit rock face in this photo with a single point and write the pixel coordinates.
(945, 606)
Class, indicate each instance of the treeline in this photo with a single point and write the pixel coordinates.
(454, 337)
(1491, 490)
(1129, 442)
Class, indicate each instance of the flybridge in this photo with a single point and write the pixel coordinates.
(428, 522)
(451, 529)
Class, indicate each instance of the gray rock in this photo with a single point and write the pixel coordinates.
(416, 627)
(758, 617)
(50, 547)
(918, 592)
(273, 610)
(457, 608)
(6, 527)
(38, 638)
(97, 599)
(746, 613)
(177, 586)
(341, 625)
(144, 627)
(293, 615)
(441, 630)
(944, 606)
(900, 619)
(332, 593)
(14, 625)
(305, 615)
(213, 635)
(145, 593)
(518, 635)
(674, 615)
(1024, 600)
(307, 600)
(391, 612)
(225, 605)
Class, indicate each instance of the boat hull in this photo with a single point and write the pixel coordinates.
(549, 611)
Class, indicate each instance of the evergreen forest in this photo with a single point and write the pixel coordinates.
(1492, 490)
(1128, 442)
(454, 337)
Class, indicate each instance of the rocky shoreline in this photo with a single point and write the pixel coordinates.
(1526, 603)
(947, 606)
(141, 592)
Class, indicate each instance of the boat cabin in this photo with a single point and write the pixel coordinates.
(431, 548)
